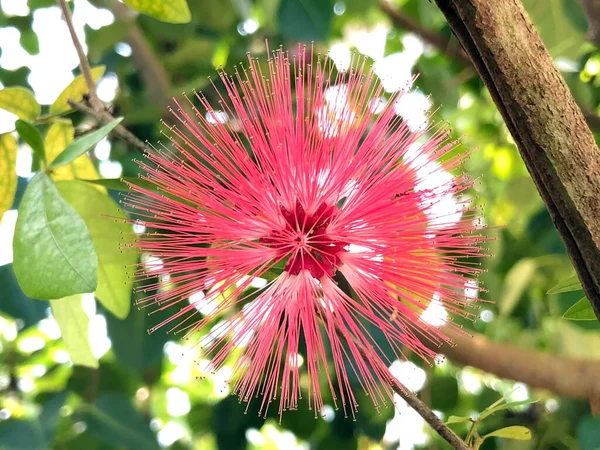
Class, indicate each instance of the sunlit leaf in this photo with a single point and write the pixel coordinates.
(568, 285)
(32, 137)
(105, 224)
(514, 432)
(75, 91)
(500, 406)
(53, 253)
(74, 327)
(20, 101)
(8, 175)
(59, 136)
(173, 11)
(83, 144)
(582, 310)
(457, 419)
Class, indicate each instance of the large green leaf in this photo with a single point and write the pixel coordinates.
(305, 20)
(74, 327)
(173, 11)
(8, 174)
(83, 144)
(105, 223)
(113, 419)
(514, 432)
(75, 91)
(53, 253)
(20, 101)
(582, 310)
(32, 137)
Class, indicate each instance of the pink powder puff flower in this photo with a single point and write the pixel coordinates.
(297, 179)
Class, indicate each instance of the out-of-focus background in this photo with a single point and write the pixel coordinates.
(149, 390)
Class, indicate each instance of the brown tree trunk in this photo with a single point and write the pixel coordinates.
(550, 131)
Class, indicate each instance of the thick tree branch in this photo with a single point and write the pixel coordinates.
(554, 141)
(455, 52)
(592, 11)
(563, 376)
(156, 78)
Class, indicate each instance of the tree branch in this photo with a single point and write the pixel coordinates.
(83, 61)
(103, 117)
(455, 52)
(547, 125)
(563, 376)
(153, 73)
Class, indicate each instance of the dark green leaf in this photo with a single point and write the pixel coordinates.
(582, 310)
(53, 253)
(15, 303)
(114, 420)
(32, 137)
(305, 20)
(83, 144)
(588, 433)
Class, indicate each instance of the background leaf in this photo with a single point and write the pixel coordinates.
(75, 91)
(53, 254)
(8, 175)
(105, 223)
(174, 11)
(20, 101)
(74, 327)
(305, 20)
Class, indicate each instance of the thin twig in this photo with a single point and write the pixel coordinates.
(103, 117)
(83, 61)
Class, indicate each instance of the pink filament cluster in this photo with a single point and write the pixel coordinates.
(282, 182)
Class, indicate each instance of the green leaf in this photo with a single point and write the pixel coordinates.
(74, 327)
(15, 303)
(516, 281)
(30, 42)
(173, 11)
(32, 137)
(20, 101)
(121, 184)
(499, 406)
(75, 91)
(588, 433)
(8, 174)
(305, 20)
(457, 419)
(582, 310)
(83, 144)
(568, 285)
(114, 420)
(53, 253)
(516, 432)
(114, 285)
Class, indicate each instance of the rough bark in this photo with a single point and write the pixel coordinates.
(550, 131)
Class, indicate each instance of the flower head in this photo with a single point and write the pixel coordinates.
(311, 182)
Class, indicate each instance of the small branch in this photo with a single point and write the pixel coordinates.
(445, 46)
(83, 62)
(103, 117)
(567, 377)
(156, 78)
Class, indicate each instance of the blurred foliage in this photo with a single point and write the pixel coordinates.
(135, 390)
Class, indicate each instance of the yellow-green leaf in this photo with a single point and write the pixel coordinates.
(568, 285)
(105, 224)
(515, 432)
(20, 101)
(75, 91)
(8, 175)
(74, 327)
(174, 11)
(59, 136)
(582, 310)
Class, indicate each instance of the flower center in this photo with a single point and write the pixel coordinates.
(306, 241)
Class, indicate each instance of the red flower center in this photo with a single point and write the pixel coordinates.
(306, 241)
